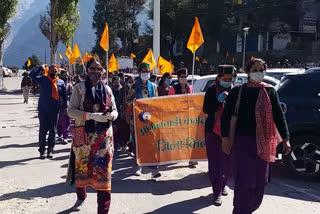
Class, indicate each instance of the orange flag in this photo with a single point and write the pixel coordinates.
(28, 63)
(68, 52)
(58, 67)
(132, 56)
(252, 57)
(197, 59)
(233, 60)
(113, 64)
(104, 42)
(227, 54)
(164, 66)
(86, 57)
(149, 58)
(75, 54)
(196, 37)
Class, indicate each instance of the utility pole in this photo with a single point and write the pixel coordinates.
(245, 31)
(156, 29)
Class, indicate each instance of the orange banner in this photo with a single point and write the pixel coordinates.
(170, 129)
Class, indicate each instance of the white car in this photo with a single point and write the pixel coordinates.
(278, 73)
(203, 83)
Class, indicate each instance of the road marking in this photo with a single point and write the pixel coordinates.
(317, 152)
(301, 169)
(304, 146)
(317, 168)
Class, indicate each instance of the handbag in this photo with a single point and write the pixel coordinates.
(234, 118)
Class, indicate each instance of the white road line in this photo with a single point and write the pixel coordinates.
(304, 146)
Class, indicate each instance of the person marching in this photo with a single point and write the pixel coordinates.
(142, 88)
(259, 122)
(165, 84)
(218, 162)
(93, 107)
(63, 119)
(26, 84)
(52, 90)
(182, 88)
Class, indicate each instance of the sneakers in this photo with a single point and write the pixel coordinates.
(64, 141)
(138, 171)
(155, 174)
(217, 200)
(77, 205)
(49, 154)
(193, 164)
(225, 192)
(42, 155)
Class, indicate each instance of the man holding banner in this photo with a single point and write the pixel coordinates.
(143, 88)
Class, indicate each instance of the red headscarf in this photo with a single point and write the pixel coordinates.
(267, 133)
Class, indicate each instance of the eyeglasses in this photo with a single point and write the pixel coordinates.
(95, 69)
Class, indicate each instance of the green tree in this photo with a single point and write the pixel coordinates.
(60, 23)
(35, 61)
(7, 10)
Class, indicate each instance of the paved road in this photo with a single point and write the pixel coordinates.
(29, 185)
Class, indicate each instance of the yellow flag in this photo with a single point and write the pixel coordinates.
(104, 42)
(86, 57)
(80, 64)
(68, 52)
(75, 54)
(197, 59)
(132, 56)
(28, 63)
(237, 1)
(196, 37)
(164, 66)
(150, 59)
(60, 56)
(113, 64)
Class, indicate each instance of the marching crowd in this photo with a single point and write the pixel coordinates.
(245, 124)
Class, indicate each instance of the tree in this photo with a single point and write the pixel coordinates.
(7, 10)
(59, 24)
(35, 61)
(123, 28)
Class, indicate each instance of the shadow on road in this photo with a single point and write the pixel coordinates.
(10, 92)
(186, 207)
(16, 162)
(19, 145)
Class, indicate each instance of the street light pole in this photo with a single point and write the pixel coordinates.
(245, 31)
(156, 29)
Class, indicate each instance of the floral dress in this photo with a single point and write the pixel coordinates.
(93, 152)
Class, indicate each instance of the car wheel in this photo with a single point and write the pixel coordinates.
(304, 159)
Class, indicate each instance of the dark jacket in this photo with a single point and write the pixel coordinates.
(26, 81)
(46, 102)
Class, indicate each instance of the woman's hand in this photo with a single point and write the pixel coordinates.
(286, 147)
(226, 146)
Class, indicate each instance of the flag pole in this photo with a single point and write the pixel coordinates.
(193, 63)
(107, 65)
(84, 68)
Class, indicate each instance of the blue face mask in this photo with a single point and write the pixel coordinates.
(225, 84)
(168, 81)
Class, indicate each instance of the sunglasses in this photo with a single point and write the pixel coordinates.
(95, 69)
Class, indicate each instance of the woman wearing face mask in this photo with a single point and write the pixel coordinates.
(93, 107)
(124, 125)
(165, 84)
(142, 88)
(260, 121)
(182, 87)
(218, 161)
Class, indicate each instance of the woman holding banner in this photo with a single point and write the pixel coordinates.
(93, 107)
(143, 88)
(218, 162)
(182, 88)
(254, 119)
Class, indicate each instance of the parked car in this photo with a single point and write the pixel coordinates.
(189, 79)
(7, 72)
(300, 93)
(203, 83)
(279, 73)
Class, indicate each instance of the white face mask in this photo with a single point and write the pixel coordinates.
(145, 76)
(257, 76)
(183, 81)
(129, 85)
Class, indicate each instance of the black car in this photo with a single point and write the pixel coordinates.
(300, 94)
